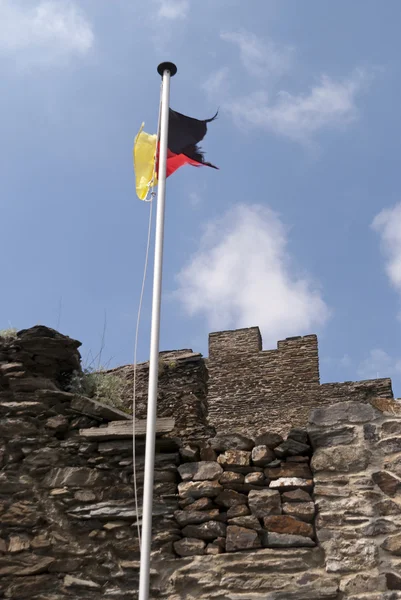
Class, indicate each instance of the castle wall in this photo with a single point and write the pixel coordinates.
(249, 386)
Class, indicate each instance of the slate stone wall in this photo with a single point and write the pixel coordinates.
(250, 388)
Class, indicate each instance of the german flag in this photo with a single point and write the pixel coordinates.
(184, 135)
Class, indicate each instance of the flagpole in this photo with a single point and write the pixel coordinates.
(166, 70)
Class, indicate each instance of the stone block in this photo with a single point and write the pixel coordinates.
(208, 531)
(77, 477)
(269, 439)
(213, 549)
(305, 511)
(291, 448)
(264, 503)
(231, 441)
(392, 544)
(230, 498)
(240, 538)
(231, 477)
(200, 504)
(388, 484)
(342, 459)
(255, 479)
(287, 524)
(299, 435)
(195, 517)
(347, 554)
(390, 445)
(348, 412)
(199, 489)
(333, 436)
(240, 510)
(190, 453)
(200, 471)
(249, 522)
(262, 456)
(234, 458)
(291, 483)
(301, 470)
(296, 496)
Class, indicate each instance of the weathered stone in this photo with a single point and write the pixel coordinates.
(362, 583)
(333, 436)
(288, 525)
(231, 441)
(341, 459)
(3, 546)
(208, 531)
(207, 453)
(386, 508)
(213, 549)
(299, 435)
(74, 582)
(296, 496)
(18, 543)
(189, 547)
(21, 514)
(264, 503)
(393, 544)
(114, 525)
(284, 540)
(291, 448)
(390, 428)
(11, 367)
(291, 483)
(240, 538)
(200, 471)
(262, 456)
(269, 439)
(345, 555)
(199, 489)
(85, 496)
(255, 478)
(249, 522)
(58, 423)
(240, 510)
(230, 498)
(190, 453)
(77, 477)
(301, 510)
(200, 504)
(393, 464)
(26, 564)
(231, 477)
(386, 482)
(393, 581)
(370, 432)
(290, 470)
(390, 445)
(351, 412)
(379, 527)
(195, 517)
(16, 427)
(235, 458)
(113, 509)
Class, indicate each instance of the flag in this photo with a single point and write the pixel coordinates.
(184, 135)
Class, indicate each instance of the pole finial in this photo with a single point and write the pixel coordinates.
(167, 66)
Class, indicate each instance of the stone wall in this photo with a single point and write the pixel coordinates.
(250, 388)
(68, 521)
(182, 392)
(246, 494)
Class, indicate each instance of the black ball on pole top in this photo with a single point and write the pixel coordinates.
(167, 66)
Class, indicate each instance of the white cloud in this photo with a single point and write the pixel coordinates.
(379, 364)
(388, 224)
(173, 9)
(329, 104)
(241, 276)
(217, 84)
(47, 32)
(260, 58)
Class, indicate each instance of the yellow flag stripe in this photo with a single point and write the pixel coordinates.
(144, 160)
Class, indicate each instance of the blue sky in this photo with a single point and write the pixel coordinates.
(298, 232)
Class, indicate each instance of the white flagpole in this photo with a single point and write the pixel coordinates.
(166, 70)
